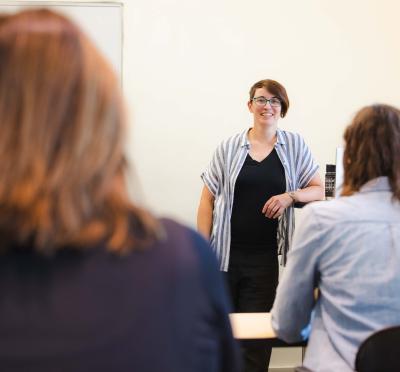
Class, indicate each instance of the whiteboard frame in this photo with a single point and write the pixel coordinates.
(113, 4)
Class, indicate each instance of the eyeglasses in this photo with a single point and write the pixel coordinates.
(262, 101)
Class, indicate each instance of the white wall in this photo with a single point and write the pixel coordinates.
(189, 66)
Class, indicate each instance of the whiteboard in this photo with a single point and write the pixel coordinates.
(101, 21)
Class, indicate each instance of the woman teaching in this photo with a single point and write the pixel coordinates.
(246, 207)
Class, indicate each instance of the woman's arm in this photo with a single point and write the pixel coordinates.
(312, 192)
(205, 213)
(275, 206)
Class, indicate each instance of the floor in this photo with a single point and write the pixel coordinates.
(284, 359)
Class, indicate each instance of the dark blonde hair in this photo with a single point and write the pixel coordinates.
(275, 89)
(372, 148)
(61, 140)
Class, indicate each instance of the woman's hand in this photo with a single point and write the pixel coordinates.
(275, 206)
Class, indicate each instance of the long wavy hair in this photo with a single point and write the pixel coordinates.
(62, 130)
(372, 148)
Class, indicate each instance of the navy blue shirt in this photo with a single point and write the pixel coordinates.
(159, 309)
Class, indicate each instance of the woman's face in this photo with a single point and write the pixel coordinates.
(263, 112)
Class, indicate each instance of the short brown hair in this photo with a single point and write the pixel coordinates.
(372, 148)
(61, 140)
(274, 88)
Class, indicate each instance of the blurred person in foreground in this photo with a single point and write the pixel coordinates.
(89, 281)
(349, 249)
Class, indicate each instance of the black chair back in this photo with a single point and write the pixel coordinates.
(380, 352)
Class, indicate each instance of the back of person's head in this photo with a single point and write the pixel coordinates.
(372, 143)
(61, 140)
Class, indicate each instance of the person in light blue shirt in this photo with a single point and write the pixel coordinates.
(349, 249)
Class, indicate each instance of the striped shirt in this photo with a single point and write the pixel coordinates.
(220, 178)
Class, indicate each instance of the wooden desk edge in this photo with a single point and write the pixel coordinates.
(252, 325)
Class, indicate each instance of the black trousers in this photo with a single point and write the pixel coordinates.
(252, 279)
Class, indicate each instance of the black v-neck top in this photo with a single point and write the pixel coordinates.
(255, 184)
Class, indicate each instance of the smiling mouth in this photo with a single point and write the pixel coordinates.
(267, 114)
